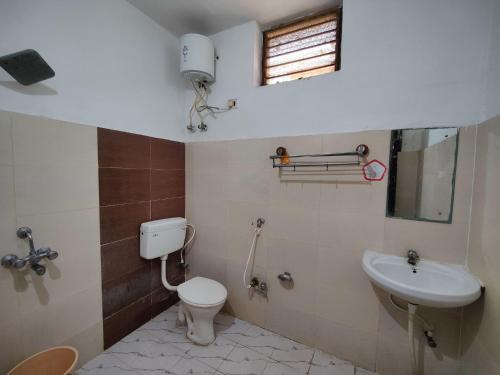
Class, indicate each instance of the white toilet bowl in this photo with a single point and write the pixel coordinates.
(201, 300)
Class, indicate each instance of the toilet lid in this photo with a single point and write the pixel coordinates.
(202, 291)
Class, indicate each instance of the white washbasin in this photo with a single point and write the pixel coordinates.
(434, 284)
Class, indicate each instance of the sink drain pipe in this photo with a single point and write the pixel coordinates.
(412, 310)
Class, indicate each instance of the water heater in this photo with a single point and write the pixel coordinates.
(197, 58)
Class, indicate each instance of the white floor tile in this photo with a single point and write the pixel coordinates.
(190, 366)
(264, 341)
(244, 361)
(159, 347)
(136, 342)
(169, 315)
(213, 354)
(105, 364)
(360, 371)
(281, 369)
(155, 328)
(228, 325)
(157, 357)
(298, 358)
(326, 364)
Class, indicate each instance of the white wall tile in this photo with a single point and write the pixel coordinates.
(347, 343)
(48, 189)
(481, 326)
(39, 140)
(317, 227)
(60, 320)
(48, 181)
(89, 343)
(7, 210)
(294, 224)
(75, 235)
(12, 345)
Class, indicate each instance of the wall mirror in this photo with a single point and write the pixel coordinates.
(422, 170)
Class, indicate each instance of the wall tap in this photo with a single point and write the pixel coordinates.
(34, 256)
(259, 286)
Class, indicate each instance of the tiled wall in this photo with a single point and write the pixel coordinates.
(317, 228)
(64, 181)
(52, 177)
(48, 181)
(140, 179)
(481, 325)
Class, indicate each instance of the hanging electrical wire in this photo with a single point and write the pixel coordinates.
(201, 107)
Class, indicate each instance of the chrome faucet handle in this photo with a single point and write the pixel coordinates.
(26, 232)
(12, 260)
(51, 254)
(39, 269)
(19, 263)
(285, 276)
(9, 260)
(413, 254)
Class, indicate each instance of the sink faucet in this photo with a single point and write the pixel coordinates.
(413, 257)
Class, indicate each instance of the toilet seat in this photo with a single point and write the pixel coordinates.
(200, 291)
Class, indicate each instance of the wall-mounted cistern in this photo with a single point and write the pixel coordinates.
(34, 256)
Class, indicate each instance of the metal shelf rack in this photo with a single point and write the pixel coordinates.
(360, 152)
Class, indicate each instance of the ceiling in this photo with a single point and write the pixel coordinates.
(211, 16)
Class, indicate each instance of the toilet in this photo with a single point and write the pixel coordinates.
(201, 298)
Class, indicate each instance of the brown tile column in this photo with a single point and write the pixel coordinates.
(140, 179)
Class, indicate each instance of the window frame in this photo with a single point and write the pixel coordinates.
(338, 43)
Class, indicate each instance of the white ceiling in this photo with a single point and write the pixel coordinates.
(211, 16)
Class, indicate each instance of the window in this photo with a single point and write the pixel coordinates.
(301, 49)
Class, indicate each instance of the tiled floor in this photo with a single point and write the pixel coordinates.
(159, 347)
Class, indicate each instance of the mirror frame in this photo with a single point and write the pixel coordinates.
(392, 177)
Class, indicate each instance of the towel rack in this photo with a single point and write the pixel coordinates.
(360, 152)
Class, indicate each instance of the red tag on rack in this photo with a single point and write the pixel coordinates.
(374, 171)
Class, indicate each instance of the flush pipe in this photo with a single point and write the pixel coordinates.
(183, 317)
(412, 309)
(164, 275)
(164, 258)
